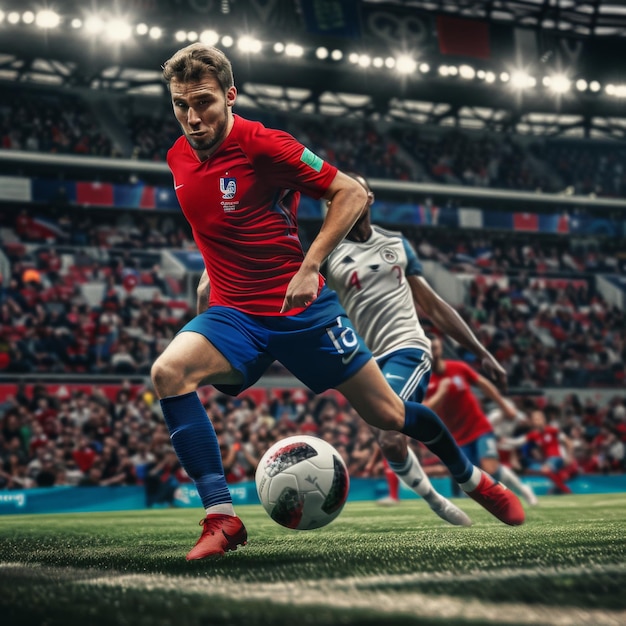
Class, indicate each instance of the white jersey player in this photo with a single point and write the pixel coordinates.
(377, 276)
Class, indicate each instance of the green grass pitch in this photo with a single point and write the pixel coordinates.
(373, 565)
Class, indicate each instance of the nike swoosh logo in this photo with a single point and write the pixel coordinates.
(178, 186)
(394, 376)
(346, 359)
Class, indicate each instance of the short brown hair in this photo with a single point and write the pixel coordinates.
(191, 63)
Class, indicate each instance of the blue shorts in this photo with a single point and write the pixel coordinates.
(482, 448)
(318, 346)
(407, 371)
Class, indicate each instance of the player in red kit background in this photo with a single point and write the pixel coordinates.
(544, 444)
(238, 184)
(450, 395)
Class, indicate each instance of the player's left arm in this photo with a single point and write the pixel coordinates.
(447, 319)
(347, 200)
(490, 390)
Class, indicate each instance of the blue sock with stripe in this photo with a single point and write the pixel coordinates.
(424, 425)
(196, 446)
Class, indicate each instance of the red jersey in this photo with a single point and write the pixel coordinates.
(460, 411)
(547, 440)
(241, 204)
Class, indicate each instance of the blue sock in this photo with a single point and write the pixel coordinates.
(424, 425)
(195, 443)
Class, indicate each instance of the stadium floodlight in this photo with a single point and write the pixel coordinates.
(142, 29)
(390, 62)
(249, 44)
(279, 47)
(505, 77)
(453, 70)
(444, 70)
(227, 41)
(94, 25)
(581, 84)
(13, 17)
(424, 68)
(321, 53)
(28, 17)
(155, 32)
(490, 77)
(467, 72)
(594, 86)
(118, 30)
(180, 35)
(405, 64)
(560, 83)
(364, 60)
(209, 37)
(76, 23)
(47, 19)
(480, 74)
(294, 50)
(378, 62)
(546, 81)
(192, 36)
(619, 91)
(336, 55)
(522, 80)
(353, 57)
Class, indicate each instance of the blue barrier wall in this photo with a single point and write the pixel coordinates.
(88, 499)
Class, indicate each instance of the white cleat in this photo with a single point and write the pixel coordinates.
(450, 512)
(388, 501)
(529, 495)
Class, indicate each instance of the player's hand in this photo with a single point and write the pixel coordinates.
(495, 371)
(444, 385)
(302, 290)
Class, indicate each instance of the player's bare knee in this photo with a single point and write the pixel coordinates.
(166, 377)
(393, 445)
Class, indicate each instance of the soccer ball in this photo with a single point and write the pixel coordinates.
(302, 482)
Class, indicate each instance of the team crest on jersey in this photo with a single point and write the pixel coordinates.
(228, 187)
(389, 255)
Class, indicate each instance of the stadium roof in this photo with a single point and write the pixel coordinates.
(534, 66)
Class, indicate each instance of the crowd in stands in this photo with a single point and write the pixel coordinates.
(53, 122)
(534, 306)
(95, 437)
(492, 253)
(48, 324)
(459, 158)
(587, 168)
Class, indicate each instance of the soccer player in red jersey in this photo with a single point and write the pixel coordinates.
(238, 184)
(547, 441)
(450, 395)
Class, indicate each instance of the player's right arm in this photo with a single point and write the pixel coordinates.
(202, 293)
(447, 319)
(347, 201)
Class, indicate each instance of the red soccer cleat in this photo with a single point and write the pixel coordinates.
(220, 534)
(498, 500)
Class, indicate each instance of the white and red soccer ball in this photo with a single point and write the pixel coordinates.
(302, 482)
